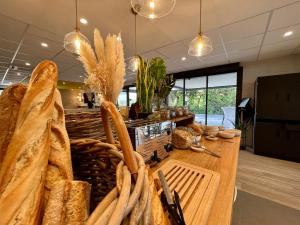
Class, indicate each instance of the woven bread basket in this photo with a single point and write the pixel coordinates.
(122, 190)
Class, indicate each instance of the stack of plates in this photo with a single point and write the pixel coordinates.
(237, 133)
(211, 130)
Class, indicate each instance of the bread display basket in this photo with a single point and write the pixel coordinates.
(119, 177)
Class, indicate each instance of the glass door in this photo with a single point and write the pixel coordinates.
(221, 99)
(195, 97)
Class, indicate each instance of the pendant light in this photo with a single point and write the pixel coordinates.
(153, 9)
(200, 45)
(73, 40)
(134, 62)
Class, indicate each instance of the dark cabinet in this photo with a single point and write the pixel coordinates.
(278, 97)
(277, 116)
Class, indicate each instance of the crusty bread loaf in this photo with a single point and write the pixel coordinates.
(24, 166)
(68, 203)
(10, 101)
(59, 164)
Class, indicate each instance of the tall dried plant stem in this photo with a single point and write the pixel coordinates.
(106, 126)
(123, 135)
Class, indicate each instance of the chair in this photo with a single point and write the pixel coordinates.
(229, 117)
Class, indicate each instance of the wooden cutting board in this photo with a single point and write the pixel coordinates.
(196, 187)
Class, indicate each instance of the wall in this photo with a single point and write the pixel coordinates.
(277, 66)
(70, 98)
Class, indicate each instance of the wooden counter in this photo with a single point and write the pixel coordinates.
(225, 166)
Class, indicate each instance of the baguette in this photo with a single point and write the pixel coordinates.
(59, 163)
(68, 203)
(10, 101)
(24, 167)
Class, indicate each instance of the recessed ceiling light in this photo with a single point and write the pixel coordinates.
(83, 21)
(80, 76)
(27, 64)
(288, 33)
(18, 74)
(44, 44)
(183, 58)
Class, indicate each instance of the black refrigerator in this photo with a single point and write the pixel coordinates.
(277, 117)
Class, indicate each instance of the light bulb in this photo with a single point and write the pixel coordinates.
(200, 46)
(77, 45)
(134, 64)
(151, 4)
(151, 15)
(72, 41)
(153, 9)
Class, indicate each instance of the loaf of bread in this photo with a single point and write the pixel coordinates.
(23, 171)
(68, 203)
(59, 164)
(10, 101)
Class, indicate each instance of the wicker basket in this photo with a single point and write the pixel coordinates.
(93, 163)
(122, 190)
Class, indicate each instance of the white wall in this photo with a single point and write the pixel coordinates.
(277, 66)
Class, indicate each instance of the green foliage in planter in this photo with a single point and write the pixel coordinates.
(152, 82)
(145, 85)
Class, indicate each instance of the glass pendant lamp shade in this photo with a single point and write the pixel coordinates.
(134, 63)
(153, 9)
(200, 46)
(73, 40)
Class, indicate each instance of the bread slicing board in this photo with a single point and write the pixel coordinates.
(196, 186)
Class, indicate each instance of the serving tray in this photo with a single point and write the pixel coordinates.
(196, 187)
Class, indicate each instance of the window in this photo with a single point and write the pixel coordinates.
(175, 98)
(221, 99)
(195, 97)
(132, 95)
(211, 98)
(122, 99)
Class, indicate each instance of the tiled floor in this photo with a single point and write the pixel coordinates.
(252, 210)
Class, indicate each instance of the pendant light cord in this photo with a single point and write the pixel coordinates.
(135, 34)
(76, 15)
(200, 9)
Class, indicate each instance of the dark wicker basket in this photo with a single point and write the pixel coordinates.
(92, 163)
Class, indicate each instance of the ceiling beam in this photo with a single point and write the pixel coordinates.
(15, 54)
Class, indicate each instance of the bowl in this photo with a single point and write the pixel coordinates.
(211, 128)
(237, 133)
(211, 132)
(225, 134)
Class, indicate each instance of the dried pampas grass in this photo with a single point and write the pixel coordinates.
(105, 67)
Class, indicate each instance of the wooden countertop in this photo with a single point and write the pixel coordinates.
(226, 166)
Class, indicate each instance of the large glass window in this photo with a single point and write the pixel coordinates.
(221, 100)
(175, 98)
(211, 98)
(122, 99)
(195, 97)
(132, 95)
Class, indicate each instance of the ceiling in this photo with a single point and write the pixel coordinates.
(241, 31)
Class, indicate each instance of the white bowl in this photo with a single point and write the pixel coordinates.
(209, 128)
(225, 134)
(237, 133)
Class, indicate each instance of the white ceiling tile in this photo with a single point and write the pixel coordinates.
(277, 35)
(245, 28)
(245, 43)
(217, 59)
(285, 16)
(281, 46)
(34, 42)
(172, 51)
(244, 55)
(11, 29)
(151, 54)
(273, 53)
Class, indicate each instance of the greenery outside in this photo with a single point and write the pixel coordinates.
(196, 98)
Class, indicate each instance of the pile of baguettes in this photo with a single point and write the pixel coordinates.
(36, 179)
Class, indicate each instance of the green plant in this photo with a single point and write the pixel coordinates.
(145, 85)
